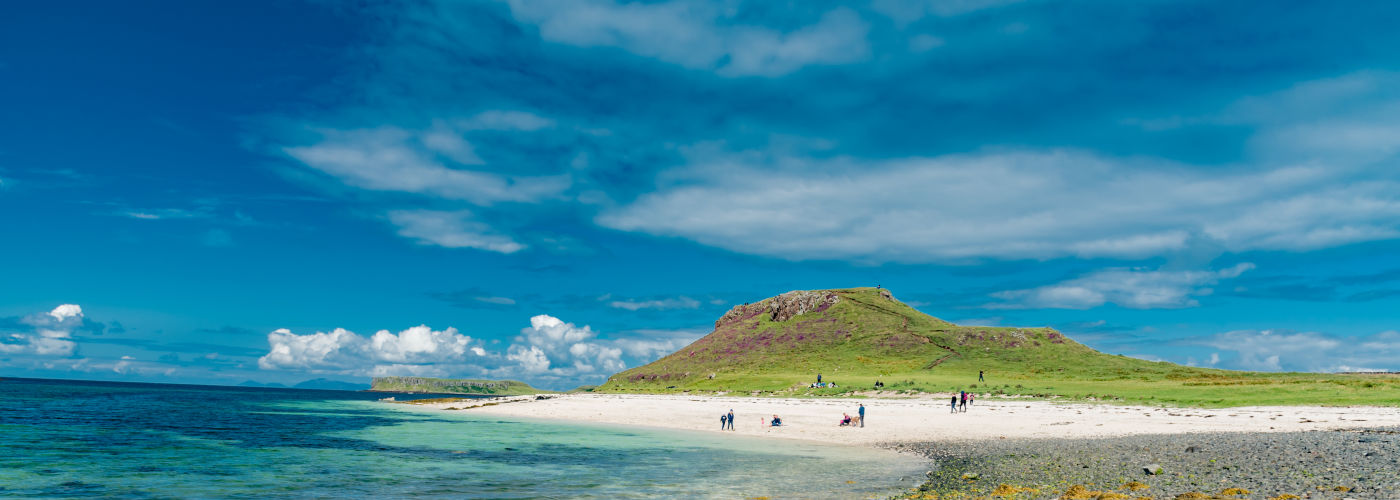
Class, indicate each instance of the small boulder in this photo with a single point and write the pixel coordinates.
(1193, 449)
(1152, 469)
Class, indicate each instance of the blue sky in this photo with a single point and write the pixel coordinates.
(552, 191)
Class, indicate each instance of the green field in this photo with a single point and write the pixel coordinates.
(867, 335)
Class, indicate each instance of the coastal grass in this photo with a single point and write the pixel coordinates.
(868, 336)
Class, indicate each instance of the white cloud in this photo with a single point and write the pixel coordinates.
(1132, 288)
(697, 34)
(649, 345)
(500, 301)
(163, 214)
(1350, 119)
(907, 11)
(415, 351)
(658, 304)
(1306, 351)
(1006, 204)
(66, 311)
(562, 349)
(52, 335)
(456, 229)
(531, 360)
(550, 352)
(425, 162)
(505, 120)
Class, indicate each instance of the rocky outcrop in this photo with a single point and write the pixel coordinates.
(782, 307)
(785, 306)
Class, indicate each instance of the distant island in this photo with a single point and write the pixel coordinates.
(324, 384)
(453, 386)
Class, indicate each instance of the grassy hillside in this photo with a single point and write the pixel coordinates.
(453, 386)
(854, 337)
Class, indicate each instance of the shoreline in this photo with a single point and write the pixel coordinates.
(1033, 449)
(925, 419)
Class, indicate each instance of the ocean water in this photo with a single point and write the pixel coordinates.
(72, 439)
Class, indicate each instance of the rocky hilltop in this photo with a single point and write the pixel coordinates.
(782, 307)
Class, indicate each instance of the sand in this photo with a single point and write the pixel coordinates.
(920, 419)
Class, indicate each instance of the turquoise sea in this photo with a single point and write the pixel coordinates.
(76, 439)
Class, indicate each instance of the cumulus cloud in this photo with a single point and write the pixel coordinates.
(698, 35)
(416, 351)
(451, 229)
(51, 333)
(549, 345)
(65, 312)
(1271, 350)
(550, 352)
(1126, 287)
(1006, 204)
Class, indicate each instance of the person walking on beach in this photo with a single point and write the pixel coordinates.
(861, 412)
(731, 419)
(964, 401)
(970, 398)
(723, 419)
(979, 376)
(954, 404)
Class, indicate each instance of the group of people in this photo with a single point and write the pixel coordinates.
(726, 420)
(962, 399)
(821, 385)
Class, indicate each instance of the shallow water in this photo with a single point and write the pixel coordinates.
(98, 439)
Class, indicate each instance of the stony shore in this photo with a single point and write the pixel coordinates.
(1331, 464)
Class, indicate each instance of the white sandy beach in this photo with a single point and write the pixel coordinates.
(925, 419)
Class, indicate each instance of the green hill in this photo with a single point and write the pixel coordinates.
(453, 386)
(854, 337)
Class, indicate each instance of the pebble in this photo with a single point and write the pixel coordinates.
(1306, 464)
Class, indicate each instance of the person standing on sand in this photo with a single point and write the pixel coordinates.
(731, 419)
(970, 398)
(723, 419)
(964, 401)
(861, 412)
(954, 404)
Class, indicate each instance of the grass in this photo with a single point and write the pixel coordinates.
(868, 336)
